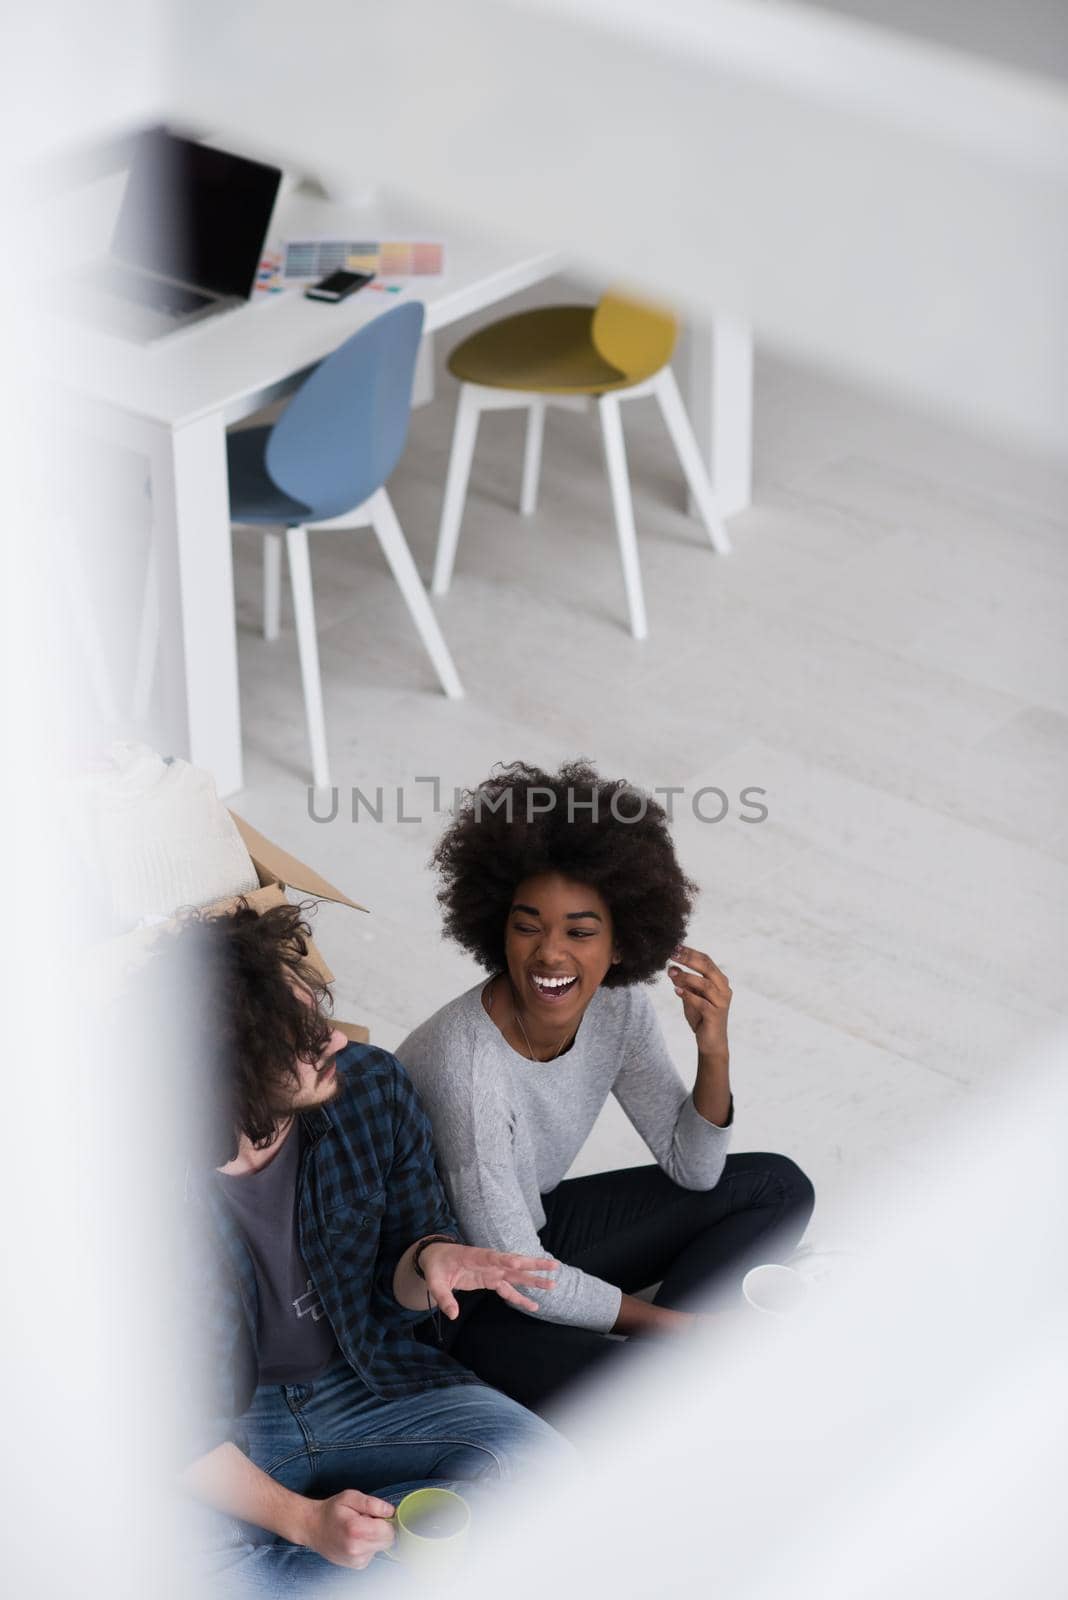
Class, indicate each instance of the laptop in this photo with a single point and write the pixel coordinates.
(188, 240)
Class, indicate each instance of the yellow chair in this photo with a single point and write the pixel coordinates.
(568, 356)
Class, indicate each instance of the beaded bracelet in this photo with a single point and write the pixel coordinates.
(424, 1244)
(432, 1310)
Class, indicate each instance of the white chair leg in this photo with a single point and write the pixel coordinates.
(528, 494)
(272, 585)
(147, 637)
(678, 426)
(452, 510)
(308, 644)
(616, 459)
(391, 538)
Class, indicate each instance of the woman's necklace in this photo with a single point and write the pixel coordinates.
(518, 1019)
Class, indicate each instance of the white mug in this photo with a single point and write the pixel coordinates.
(777, 1291)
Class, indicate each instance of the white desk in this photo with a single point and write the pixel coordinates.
(173, 401)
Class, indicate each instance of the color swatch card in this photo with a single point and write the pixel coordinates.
(393, 258)
(269, 279)
(397, 259)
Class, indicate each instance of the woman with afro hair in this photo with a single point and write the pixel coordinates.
(566, 890)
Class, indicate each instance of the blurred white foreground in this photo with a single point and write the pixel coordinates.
(905, 1437)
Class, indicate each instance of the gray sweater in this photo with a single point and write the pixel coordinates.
(507, 1129)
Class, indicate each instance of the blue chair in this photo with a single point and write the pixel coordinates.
(324, 464)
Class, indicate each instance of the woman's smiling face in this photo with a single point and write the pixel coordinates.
(558, 944)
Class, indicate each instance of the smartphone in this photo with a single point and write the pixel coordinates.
(338, 286)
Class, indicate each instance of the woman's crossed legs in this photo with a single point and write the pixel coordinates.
(635, 1228)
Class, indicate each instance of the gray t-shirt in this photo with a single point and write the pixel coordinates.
(507, 1129)
(296, 1342)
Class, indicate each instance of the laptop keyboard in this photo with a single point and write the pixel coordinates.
(169, 298)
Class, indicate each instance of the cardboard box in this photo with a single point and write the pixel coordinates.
(277, 871)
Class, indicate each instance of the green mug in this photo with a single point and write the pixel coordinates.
(431, 1530)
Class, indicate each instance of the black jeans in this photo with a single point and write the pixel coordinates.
(634, 1228)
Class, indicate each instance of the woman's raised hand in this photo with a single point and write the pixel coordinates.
(706, 999)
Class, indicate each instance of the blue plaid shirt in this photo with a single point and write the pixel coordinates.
(368, 1188)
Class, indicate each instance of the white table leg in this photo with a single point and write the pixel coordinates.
(719, 385)
(198, 633)
(423, 378)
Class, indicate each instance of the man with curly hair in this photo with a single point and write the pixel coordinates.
(318, 1238)
(566, 889)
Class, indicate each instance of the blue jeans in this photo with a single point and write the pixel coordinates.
(319, 1438)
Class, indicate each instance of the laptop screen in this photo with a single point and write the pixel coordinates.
(194, 213)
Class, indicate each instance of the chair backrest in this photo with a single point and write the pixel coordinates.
(638, 339)
(345, 429)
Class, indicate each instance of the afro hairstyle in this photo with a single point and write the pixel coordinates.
(523, 822)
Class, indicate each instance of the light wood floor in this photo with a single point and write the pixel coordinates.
(884, 654)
